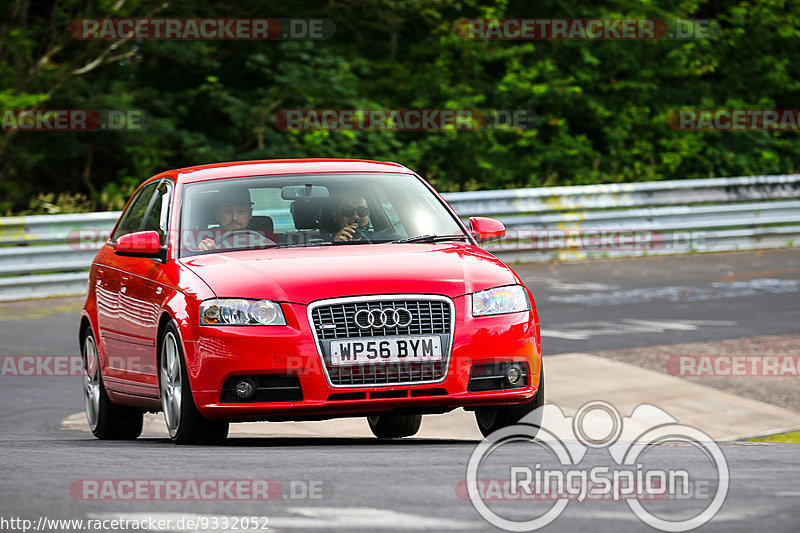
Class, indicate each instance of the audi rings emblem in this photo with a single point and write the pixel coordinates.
(383, 318)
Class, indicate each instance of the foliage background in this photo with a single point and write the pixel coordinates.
(601, 104)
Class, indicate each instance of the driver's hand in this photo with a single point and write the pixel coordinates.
(207, 244)
(347, 233)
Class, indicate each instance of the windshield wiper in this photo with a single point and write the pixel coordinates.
(304, 244)
(432, 238)
(339, 243)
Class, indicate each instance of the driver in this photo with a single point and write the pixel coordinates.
(233, 213)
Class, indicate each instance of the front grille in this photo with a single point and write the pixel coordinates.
(385, 373)
(430, 317)
(336, 320)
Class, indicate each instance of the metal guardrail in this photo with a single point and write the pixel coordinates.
(660, 217)
(49, 255)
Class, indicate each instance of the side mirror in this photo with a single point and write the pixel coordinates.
(487, 229)
(139, 244)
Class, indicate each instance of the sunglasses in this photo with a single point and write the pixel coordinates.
(351, 211)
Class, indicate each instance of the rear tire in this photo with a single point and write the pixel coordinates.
(184, 422)
(491, 419)
(106, 420)
(394, 426)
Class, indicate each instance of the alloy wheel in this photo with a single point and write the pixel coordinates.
(171, 383)
(91, 382)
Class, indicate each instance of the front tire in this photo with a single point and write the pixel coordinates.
(394, 426)
(184, 422)
(106, 420)
(491, 419)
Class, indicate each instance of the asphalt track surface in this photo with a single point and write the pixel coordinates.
(364, 484)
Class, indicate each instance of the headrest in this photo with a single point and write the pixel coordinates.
(326, 220)
(305, 214)
(261, 223)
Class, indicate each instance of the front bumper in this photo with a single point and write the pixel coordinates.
(220, 353)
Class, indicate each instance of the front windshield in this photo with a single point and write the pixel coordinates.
(310, 210)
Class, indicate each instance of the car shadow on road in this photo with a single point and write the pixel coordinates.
(278, 442)
(340, 441)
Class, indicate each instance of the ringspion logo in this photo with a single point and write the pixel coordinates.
(554, 470)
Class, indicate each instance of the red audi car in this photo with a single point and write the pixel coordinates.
(302, 290)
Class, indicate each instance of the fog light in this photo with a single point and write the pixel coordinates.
(513, 373)
(245, 388)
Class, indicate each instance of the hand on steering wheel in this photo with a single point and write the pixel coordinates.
(247, 237)
(351, 232)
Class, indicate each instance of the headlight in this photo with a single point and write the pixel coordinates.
(500, 300)
(240, 312)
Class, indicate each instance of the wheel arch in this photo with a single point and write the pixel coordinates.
(85, 324)
(176, 310)
(164, 320)
(171, 314)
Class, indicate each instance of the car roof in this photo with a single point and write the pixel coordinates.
(236, 169)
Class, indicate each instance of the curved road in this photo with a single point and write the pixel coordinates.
(355, 483)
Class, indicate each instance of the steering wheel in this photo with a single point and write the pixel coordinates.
(230, 239)
(363, 234)
(387, 234)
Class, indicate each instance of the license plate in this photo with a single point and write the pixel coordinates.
(386, 350)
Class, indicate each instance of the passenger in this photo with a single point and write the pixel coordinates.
(351, 216)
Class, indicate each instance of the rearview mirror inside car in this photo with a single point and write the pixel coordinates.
(304, 192)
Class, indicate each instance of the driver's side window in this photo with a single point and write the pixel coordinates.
(158, 214)
(132, 219)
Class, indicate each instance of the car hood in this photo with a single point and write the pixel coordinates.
(303, 275)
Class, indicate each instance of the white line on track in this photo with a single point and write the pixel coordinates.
(337, 518)
(581, 331)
